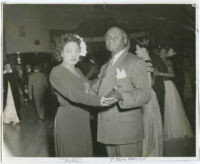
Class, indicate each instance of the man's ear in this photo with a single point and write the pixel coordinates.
(125, 40)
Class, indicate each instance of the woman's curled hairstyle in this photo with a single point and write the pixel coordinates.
(61, 42)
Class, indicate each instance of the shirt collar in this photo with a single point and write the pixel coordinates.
(116, 56)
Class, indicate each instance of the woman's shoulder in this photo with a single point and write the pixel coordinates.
(56, 71)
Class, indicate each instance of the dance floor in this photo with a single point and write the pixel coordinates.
(32, 138)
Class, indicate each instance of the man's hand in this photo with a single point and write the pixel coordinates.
(108, 101)
(156, 72)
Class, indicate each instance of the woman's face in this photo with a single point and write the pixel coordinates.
(163, 53)
(142, 52)
(8, 67)
(71, 53)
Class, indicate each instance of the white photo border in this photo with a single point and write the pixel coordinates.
(107, 159)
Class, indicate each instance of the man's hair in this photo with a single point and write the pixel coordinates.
(121, 28)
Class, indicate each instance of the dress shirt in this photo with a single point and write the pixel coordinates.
(116, 56)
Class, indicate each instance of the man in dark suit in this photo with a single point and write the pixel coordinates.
(158, 85)
(10, 76)
(121, 127)
(38, 87)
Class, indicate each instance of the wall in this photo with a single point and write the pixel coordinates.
(63, 18)
(34, 21)
(39, 19)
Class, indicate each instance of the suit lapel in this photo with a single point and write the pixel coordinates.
(109, 79)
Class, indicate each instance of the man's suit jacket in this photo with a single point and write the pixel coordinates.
(122, 123)
(158, 85)
(38, 88)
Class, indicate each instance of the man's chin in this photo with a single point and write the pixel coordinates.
(111, 49)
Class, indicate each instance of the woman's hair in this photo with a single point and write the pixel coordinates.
(141, 44)
(61, 42)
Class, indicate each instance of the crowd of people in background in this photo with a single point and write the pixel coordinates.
(25, 84)
(161, 112)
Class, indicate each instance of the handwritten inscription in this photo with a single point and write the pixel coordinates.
(70, 160)
(119, 159)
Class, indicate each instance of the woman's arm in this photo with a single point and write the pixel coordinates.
(170, 70)
(165, 74)
(150, 70)
(70, 92)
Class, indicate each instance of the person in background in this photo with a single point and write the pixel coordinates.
(28, 71)
(158, 81)
(11, 96)
(20, 79)
(176, 124)
(38, 88)
(153, 128)
(94, 70)
(89, 67)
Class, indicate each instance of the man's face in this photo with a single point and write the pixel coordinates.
(115, 40)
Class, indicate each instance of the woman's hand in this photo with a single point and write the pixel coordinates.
(108, 101)
(171, 53)
(150, 69)
(156, 72)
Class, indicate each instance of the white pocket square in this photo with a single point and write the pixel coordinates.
(120, 74)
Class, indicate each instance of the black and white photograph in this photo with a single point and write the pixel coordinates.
(99, 80)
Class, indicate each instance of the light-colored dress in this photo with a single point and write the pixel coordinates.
(176, 124)
(153, 129)
(10, 114)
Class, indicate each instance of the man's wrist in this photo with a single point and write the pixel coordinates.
(118, 94)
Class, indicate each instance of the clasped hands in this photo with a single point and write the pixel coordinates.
(113, 97)
(108, 100)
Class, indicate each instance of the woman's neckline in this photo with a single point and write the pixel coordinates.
(75, 72)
